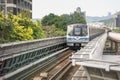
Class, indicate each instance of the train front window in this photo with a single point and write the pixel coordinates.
(77, 31)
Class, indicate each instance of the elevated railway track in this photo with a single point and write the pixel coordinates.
(40, 59)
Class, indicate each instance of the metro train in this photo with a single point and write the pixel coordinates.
(81, 33)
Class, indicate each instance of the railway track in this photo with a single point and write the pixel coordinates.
(70, 73)
(58, 74)
(56, 69)
(43, 63)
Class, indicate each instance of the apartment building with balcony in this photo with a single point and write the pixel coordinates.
(15, 6)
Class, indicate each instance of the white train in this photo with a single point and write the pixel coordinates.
(81, 33)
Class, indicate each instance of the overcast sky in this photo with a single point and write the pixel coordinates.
(91, 7)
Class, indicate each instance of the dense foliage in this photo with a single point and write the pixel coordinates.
(62, 21)
(52, 31)
(116, 30)
(18, 28)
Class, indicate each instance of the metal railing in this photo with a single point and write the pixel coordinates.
(16, 47)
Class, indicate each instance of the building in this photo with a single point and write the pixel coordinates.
(15, 6)
(78, 9)
(117, 19)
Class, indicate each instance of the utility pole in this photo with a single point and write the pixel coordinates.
(5, 10)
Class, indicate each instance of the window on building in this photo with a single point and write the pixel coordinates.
(9, 1)
(15, 1)
(10, 9)
(30, 7)
(1, 8)
(15, 11)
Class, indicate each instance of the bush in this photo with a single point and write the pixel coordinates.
(18, 28)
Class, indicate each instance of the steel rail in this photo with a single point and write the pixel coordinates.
(59, 74)
(53, 68)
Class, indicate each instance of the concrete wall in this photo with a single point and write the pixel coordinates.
(118, 21)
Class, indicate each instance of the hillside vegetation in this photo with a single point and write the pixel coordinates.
(62, 21)
(52, 31)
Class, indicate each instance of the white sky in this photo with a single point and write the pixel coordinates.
(91, 7)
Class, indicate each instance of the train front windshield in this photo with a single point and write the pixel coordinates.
(78, 31)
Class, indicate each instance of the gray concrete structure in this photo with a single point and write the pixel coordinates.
(78, 9)
(117, 19)
(15, 6)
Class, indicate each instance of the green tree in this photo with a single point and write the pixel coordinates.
(21, 33)
(77, 18)
(18, 28)
(117, 30)
(6, 28)
(49, 19)
(37, 30)
(26, 26)
(52, 31)
(62, 21)
(24, 14)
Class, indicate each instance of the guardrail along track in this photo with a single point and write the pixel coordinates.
(9, 49)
